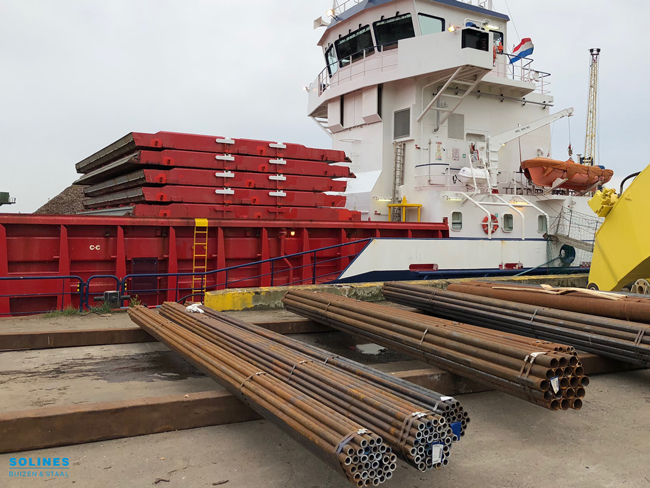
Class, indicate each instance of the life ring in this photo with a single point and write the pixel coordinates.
(495, 223)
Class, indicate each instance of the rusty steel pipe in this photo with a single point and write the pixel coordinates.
(317, 427)
(459, 348)
(316, 389)
(631, 347)
(631, 308)
(268, 355)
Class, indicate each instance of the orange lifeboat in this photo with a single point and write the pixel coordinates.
(579, 177)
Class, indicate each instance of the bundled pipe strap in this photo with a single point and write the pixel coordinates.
(616, 339)
(544, 373)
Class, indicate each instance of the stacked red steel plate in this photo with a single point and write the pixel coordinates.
(177, 175)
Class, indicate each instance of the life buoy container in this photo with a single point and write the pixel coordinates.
(495, 223)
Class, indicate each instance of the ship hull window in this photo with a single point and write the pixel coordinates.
(331, 61)
(430, 24)
(354, 46)
(389, 31)
(508, 223)
(456, 221)
(474, 39)
(541, 224)
(402, 124)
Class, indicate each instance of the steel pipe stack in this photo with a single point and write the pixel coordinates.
(340, 442)
(612, 305)
(444, 405)
(543, 373)
(313, 394)
(408, 428)
(617, 339)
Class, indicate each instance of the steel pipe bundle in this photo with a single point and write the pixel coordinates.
(543, 373)
(616, 339)
(420, 437)
(615, 306)
(391, 420)
(340, 442)
(444, 405)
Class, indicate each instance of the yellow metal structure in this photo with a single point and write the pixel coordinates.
(603, 201)
(622, 248)
(199, 257)
(404, 206)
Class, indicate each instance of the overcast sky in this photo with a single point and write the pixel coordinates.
(75, 75)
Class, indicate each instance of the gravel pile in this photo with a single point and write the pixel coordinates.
(69, 201)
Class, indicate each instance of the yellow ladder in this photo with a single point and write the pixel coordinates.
(199, 257)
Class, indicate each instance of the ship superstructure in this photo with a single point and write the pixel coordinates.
(433, 110)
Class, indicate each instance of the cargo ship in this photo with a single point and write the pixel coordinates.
(430, 118)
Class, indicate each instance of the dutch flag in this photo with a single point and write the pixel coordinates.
(525, 48)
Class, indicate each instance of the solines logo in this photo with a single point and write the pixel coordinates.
(28, 467)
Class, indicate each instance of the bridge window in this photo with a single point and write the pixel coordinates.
(508, 222)
(354, 45)
(331, 61)
(498, 38)
(430, 24)
(475, 39)
(456, 221)
(389, 31)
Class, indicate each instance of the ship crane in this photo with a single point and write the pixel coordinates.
(590, 140)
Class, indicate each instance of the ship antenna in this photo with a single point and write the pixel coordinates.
(512, 19)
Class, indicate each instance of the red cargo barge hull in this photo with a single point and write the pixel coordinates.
(85, 246)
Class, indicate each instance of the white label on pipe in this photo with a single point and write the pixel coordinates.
(277, 161)
(225, 174)
(555, 384)
(225, 140)
(225, 157)
(277, 178)
(277, 194)
(225, 191)
(278, 145)
(436, 453)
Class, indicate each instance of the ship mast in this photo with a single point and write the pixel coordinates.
(590, 140)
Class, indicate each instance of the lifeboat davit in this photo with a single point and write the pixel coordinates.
(579, 177)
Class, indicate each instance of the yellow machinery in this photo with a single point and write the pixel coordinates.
(622, 248)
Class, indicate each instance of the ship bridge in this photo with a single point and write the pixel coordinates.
(372, 42)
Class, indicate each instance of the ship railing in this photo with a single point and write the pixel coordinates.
(369, 60)
(513, 205)
(67, 291)
(340, 7)
(277, 271)
(73, 294)
(521, 70)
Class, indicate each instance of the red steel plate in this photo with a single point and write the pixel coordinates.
(214, 195)
(213, 161)
(223, 178)
(246, 212)
(194, 142)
